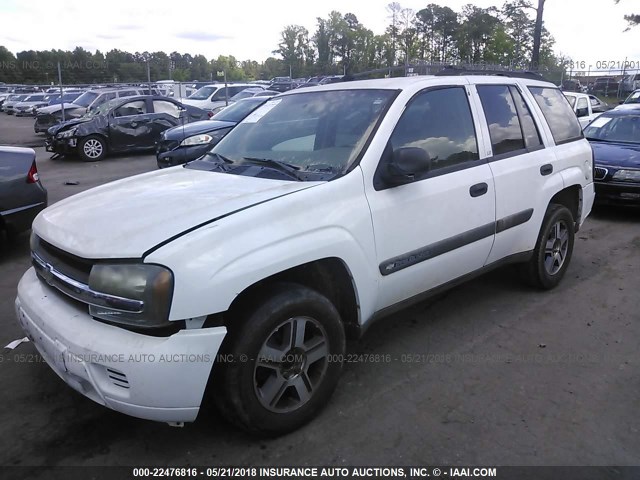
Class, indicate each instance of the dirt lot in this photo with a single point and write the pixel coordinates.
(499, 374)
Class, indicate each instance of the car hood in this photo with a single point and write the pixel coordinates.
(58, 107)
(184, 131)
(69, 123)
(127, 218)
(616, 154)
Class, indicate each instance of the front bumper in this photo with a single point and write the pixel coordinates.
(61, 146)
(24, 113)
(177, 156)
(619, 193)
(155, 378)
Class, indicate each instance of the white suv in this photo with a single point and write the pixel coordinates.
(323, 210)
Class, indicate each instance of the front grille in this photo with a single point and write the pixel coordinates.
(72, 266)
(600, 173)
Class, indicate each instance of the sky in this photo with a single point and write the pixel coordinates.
(589, 31)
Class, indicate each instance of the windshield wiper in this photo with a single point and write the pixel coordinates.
(219, 157)
(284, 167)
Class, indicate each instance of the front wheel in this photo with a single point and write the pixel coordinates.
(287, 355)
(553, 249)
(92, 148)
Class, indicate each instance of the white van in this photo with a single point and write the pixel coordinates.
(212, 96)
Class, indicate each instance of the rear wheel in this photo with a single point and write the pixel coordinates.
(287, 357)
(92, 148)
(553, 250)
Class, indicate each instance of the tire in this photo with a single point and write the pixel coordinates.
(277, 380)
(92, 148)
(553, 250)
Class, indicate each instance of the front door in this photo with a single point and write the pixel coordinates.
(440, 226)
(130, 126)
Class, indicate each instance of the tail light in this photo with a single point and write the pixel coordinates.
(32, 176)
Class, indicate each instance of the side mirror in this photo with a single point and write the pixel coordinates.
(582, 112)
(406, 165)
(621, 102)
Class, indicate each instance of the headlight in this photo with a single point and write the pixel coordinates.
(67, 134)
(627, 175)
(197, 140)
(152, 285)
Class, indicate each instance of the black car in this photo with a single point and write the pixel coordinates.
(123, 124)
(182, 144)
(22, 196)
(615, 139)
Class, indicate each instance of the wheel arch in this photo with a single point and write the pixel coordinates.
(330, 277)
(570, 197)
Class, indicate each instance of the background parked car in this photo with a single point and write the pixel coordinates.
(22, 195)
(586, 107)
(28, 106)
(185, 143)
(11, 101)
(632, 101)
(132, 124)
(615, 140)
(215, 95)
(91, 99)
(281, 84)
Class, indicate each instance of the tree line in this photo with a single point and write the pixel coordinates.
(339, 44)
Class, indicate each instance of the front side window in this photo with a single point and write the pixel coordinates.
(562, 121)
(137, 107)
(440, 122)
(502, 118)
(313, 132)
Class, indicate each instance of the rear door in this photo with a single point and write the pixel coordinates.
(522, 165)
(130, 126)
(440, 226)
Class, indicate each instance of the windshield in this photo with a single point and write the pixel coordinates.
(246, 93)
(86, 99)
(16, 98)
(237, 111)
(34, 98)
(102, 108)
(633, 98)
(312, 132)
(70, 97)
(624, 129)
(203, 93)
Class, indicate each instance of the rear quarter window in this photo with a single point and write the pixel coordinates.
(562, 121)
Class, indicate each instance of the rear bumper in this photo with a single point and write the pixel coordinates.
(155, 378)
(618, 193)
(20, 219)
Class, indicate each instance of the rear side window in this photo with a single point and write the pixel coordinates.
(162, 106)
(530, 131)
(562, 121)
(440, 122)
(502, 118)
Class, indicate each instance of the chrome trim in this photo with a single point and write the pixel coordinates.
(598, 177)
(81, 292)
(20, 209)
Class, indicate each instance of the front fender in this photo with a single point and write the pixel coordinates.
(214, 264)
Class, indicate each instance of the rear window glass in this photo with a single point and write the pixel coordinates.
(562, 121)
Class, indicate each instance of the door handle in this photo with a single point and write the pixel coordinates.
(478, 189)
(546, 169)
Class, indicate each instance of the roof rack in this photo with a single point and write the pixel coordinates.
(458, 71)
